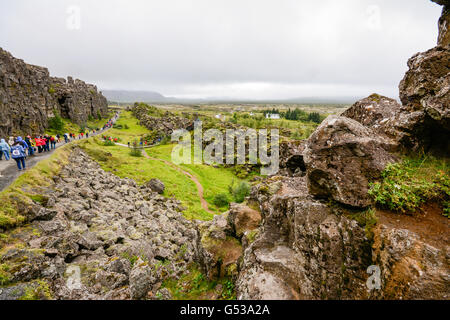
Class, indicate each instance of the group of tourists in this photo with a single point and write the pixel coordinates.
(19, 149)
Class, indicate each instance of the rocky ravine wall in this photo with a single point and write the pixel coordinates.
(309, 246)
(29, 97)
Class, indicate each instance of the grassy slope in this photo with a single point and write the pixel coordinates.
(26, 188)
(213, 180)
(135, 130)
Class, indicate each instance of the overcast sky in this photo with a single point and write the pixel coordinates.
(257, 49)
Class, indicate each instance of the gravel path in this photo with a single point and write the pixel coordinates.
(8, 169)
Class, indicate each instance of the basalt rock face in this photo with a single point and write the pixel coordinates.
(29, 97)
(426, 89)
(444, 23)
(305, 249)
(309, 247)
(342, 157)
(165, 124)
(425, 92)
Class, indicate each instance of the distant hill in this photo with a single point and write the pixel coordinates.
(133, 96)
(126, 96)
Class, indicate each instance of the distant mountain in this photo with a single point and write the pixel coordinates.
(133, 96)
(125, 96)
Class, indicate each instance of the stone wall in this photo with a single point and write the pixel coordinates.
(29, 97)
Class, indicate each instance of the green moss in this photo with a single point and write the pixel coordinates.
(39, 290)
(375, 97)
(194, 285)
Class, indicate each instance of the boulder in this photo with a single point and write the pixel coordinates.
(342, 157)
(156, 186)
(243, 219)
(376, 112)
(425, 93)
(141, 280)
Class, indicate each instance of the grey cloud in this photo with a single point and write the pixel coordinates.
(250, 48)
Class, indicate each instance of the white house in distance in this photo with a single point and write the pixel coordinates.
(273, 116)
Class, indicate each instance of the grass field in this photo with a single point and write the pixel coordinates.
(134, 131)
(213, 180)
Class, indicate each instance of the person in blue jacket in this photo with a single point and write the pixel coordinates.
(18, 154)
(4, 149)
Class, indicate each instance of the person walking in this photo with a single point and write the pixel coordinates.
(47, 143)
(4, 149)
(28, 140)
(23, 144)
(18, 154)
(53, 142)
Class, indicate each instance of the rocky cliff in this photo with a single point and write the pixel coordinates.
(29, 97)
(318, 239)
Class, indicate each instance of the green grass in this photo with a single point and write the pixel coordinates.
(214, 180)
(408, 185)
(23, 190)
(196, 286)
(135, 130)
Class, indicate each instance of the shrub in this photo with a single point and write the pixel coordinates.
(241, 192)
(109, 143)
(56, 123)
(221, 200)
(406, 186)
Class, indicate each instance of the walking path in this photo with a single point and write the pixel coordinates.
(8, 169)
(194, 179)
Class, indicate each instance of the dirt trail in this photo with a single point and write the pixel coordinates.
(200, 189)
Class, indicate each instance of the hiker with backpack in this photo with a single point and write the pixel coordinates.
(18, 154)
(4, 149)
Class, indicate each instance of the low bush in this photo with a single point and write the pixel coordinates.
(406, 186)
(240, 192)
(221, 200)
